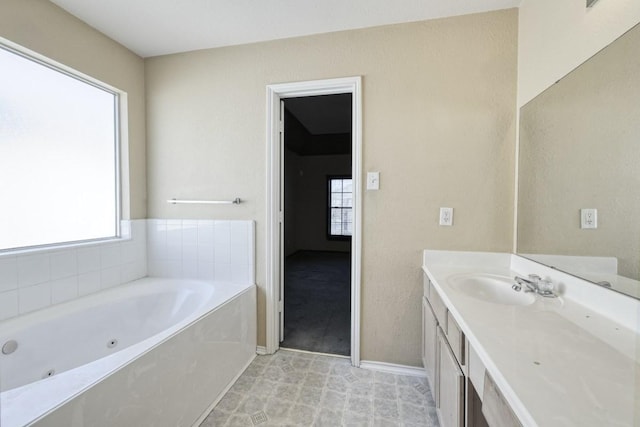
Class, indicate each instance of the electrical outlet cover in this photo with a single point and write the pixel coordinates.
(588, 218)
(446, 216)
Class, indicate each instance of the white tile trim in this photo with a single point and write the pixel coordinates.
(392, 368)
(261, 350)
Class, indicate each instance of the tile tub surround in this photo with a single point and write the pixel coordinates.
(573, 361)
(305, 389)
(34, 279)
(201, 249)
(189, 249)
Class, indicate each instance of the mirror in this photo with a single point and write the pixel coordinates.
(580, 149)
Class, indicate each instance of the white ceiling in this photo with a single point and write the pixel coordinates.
(159, 27)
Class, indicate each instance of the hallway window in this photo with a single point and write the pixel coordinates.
(59, 169)
(340, 207)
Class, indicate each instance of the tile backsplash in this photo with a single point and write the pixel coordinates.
(189, 249)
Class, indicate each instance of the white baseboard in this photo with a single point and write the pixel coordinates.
(392, 368)
(261, 350)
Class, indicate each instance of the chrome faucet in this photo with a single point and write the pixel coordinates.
(535, 284)
(531, 284)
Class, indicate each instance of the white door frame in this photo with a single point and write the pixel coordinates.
(275, 93)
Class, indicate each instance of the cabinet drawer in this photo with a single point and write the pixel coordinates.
(456, 339)
(439, 309)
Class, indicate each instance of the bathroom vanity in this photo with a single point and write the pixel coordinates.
(496, 356)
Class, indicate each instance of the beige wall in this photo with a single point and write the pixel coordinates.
(438, 117)
(41, 26)
(579, 149)
(557, 36)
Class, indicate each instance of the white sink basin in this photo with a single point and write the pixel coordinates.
(491, 288)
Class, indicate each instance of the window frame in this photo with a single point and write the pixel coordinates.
(328, 211)
(120, 124)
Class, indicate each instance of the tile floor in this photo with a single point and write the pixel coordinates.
(303, 389)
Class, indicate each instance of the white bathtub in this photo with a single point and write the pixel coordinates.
(151, 352)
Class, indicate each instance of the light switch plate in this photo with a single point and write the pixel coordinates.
(446, 216)
(588, 218)
(373, 180)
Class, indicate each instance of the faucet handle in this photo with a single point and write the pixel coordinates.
(535, 278)
(545, 287)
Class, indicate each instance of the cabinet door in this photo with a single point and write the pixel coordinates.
(429, 340)
(451, 386)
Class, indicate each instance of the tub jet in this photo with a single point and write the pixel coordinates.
(9, 347)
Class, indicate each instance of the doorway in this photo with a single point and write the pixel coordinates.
(276, 209)
(318, 223)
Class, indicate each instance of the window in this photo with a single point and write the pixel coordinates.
(59, 177)
(340, 207)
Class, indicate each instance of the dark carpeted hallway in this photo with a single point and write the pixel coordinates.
(318, 302)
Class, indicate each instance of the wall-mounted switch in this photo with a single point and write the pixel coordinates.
(446, 216)
(373, 180)
(588, 218)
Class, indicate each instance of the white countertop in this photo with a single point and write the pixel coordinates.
(558, 362)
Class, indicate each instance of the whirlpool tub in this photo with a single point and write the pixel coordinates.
(151, 352)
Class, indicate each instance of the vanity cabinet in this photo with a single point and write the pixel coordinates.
(444, 356)
(441, 361)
